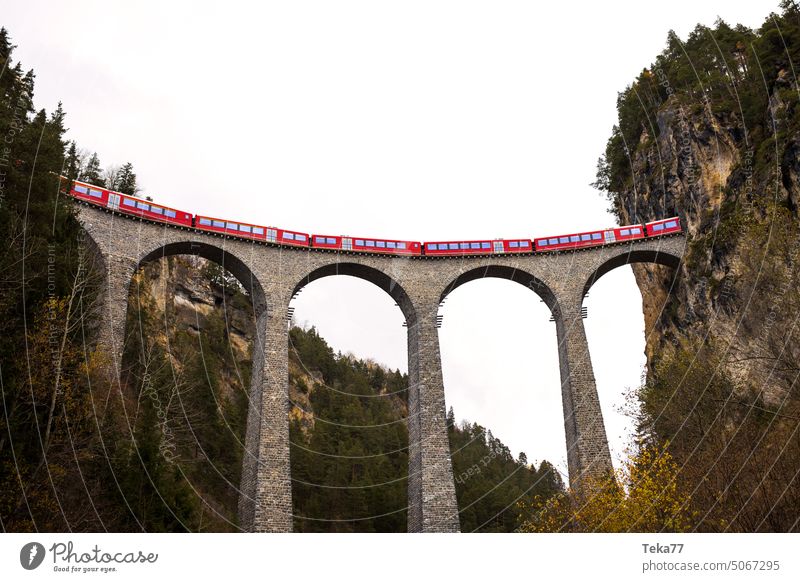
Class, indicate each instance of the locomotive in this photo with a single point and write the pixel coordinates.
(130, 205)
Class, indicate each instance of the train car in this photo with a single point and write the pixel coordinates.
(129, 204)
(630, 232)
(570, 241)
(89, 193)
(366, 245)
(517, 245)
(149, 210)
(326, 241)
(287, 237)
(589, 239)
(662, 227)
(469, 247)
(229, 227)
(381, 246)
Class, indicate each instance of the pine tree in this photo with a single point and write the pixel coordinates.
(72, 164)
(92, 173)
(126, 180)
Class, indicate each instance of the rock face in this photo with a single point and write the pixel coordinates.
(741, 250)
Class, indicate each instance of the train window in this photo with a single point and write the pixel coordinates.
(157, 210)
(401, 245)
(485, 245)
(657, 227)
(513, 244)
(232, 226)
(391, 245)
(218, 223)
(245, 228)
(596, 236)
(431, 247)
(330, 241)
(464, 245)
(563, 239)
(553, 241)
(142, 206)
(171, 213)
(452, 246)
(381, 244)
(300, 237)
(574, 238)
(258, 230)
(625, 232)
(288, 236)
(541, 243)
(370, 243)
(359, 242)
(671, 224)
(205, 222)
(524, 244)
(320, 240)
(475, 245)
(585, 237)
(95, 193)
(636, 231)
(81, 189)
(129, 202)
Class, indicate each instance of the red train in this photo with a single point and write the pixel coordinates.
(125, 204)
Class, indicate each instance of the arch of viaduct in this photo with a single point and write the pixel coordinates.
(273, 275)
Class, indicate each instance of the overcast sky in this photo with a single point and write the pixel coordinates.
(419, 120)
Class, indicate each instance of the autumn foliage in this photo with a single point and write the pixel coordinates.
(643, 496)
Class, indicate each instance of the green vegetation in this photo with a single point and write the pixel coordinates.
(491, 484)
(368, 466)
(46, 284)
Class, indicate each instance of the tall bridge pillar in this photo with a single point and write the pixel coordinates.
(432, 503)
(265, 503)
(587, 445)
(112, 308)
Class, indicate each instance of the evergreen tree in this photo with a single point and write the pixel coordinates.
(92, 173)
(125, 181)
(72, 164)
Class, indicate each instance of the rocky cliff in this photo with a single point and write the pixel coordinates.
(732, 176)
(710, 132)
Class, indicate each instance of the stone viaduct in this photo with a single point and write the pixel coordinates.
(273, 275)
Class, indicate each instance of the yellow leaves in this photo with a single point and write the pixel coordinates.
(643, 496)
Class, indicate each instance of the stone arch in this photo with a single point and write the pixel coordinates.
(222, 256)
(659, 256)
(368, 273)
(504, 272)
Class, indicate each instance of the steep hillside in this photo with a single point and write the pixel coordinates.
(710, 132)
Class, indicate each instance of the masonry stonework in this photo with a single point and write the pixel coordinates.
(273, 275)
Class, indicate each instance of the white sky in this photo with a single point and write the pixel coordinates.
(417, 119)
